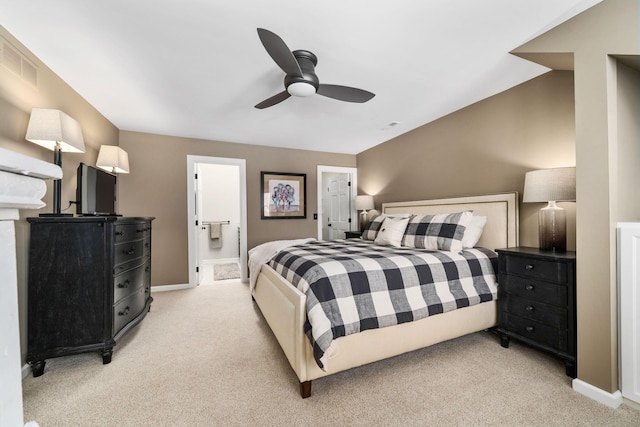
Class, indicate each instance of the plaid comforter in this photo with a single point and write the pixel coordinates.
(354, 285)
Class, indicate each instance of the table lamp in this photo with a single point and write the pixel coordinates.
(551, 186)
(55, 131)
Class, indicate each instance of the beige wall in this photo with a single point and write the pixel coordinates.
(484, 148)
(157, 187)
(601, 90)
(17, 97)
(627, 171)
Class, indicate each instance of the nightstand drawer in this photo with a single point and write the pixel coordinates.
(538, 269)
(552, 337)
(535, 310)
(535, 290)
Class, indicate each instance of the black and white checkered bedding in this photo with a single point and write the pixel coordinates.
(354, 285)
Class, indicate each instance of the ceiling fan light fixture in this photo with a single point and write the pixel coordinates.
(301, 89)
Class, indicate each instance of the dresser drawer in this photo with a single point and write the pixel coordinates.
(128, 251)
(135, 231)
(537, 269)
(128, 308)
(126, 283)
(535, 289)
(535, 310)
(549, 336)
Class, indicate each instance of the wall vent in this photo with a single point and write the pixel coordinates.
(16, 62)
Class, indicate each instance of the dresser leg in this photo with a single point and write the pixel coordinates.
(37, 368)
(571, 369)
(504, 340)
(106, 356)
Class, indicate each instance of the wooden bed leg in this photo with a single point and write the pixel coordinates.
(305, 389)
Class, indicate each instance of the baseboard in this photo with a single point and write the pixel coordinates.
(219, 261)
(26, 370)
(612, 400)
(163, 288)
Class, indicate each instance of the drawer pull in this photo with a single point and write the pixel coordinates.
(529, 287)
(147, 269)
(529, 328)
(129, 251)
(529, 308)
(124, 285)
(529, 267)
(124, 312)
(119, 233)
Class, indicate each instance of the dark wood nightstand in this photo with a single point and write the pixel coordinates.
(537, 301)
(352, 234)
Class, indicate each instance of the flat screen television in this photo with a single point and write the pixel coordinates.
(96, 191)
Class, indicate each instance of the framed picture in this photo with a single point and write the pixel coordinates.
(284, 195)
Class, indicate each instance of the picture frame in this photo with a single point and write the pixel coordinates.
(283, 195)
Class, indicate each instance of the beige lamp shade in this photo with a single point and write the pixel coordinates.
(364, 202)
(49, 128)
(558, 184)
(113, 159)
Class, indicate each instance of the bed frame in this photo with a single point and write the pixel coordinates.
(283, 306)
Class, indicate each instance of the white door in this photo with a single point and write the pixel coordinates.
(338, 202)
(195, 211)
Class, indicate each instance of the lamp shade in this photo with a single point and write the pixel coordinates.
(51, 127)
(558, 184)
(113, 159)
(364, 202)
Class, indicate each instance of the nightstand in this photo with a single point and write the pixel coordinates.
(537, 301)
(352, 234)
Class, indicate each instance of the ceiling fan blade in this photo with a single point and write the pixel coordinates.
(275, 99)
(344, 93)
(280, 53)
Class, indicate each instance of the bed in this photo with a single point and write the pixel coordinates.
(284, 306)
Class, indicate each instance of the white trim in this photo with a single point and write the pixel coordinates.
(612, 400)
(219, 261)
(164, 288)
(354, 190)
(191, 213)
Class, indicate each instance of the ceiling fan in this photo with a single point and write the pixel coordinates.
(300, 78)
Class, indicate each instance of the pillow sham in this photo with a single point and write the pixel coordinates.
(473, 231)
(391, 232)
(371, 230)
(437, 232)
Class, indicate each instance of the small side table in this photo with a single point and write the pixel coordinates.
(537, 301)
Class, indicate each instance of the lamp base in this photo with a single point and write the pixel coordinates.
(552, 228)
(363, 220)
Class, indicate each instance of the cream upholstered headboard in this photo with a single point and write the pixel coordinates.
(501, 210)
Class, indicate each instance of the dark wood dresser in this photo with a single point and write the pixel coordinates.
(89, 283)
(537, 301)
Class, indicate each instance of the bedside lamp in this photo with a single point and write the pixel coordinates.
(58, 132)
(364, 203)
(551, 186)
(113, 159)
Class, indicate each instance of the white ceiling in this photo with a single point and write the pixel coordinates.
(196, 68)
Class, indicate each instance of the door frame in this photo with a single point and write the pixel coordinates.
(192, 216)
(354, 189)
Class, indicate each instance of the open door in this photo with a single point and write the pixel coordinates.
(336, 209)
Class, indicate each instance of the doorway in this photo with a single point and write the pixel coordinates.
(217, 220)
(336, 208)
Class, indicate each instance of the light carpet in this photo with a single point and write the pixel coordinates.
(205, 357)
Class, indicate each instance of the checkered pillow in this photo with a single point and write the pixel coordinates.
(371, 230)
(437, 232)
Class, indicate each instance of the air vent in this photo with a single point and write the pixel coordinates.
(16, 62)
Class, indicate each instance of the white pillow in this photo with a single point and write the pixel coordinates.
(391, 231)
(473, 231)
